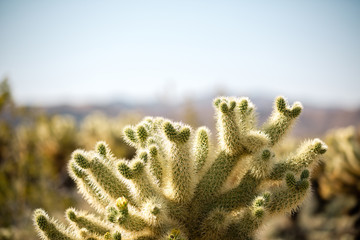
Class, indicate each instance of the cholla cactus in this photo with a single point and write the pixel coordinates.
(342, 170)
(179, 187)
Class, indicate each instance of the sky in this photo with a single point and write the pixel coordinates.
(76, 52)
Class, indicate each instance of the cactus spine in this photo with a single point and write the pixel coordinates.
(179, 187)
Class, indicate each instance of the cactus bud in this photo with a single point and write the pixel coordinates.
(153, 151)
(101, 148)
(319, 146)
(232, 105)
(142, 133)
(125, 170)
(143, 156)
(281, 104)
(305, 174)
(71, 214)
(243, 106)
(290, 180)
(81, 160)
(224, 107)
(130, 135)
(184, 134)
(170, 131)
(121, 203)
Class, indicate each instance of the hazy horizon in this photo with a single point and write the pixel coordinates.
(69, 52)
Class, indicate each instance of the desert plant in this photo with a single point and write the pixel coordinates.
(337, 213)
(334, 211)
(5, 94)
(179, 187)
(6, 154)
(342, 170)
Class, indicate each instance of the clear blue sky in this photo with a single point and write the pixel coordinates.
(79, 51)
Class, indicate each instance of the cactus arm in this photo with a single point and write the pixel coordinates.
(103, 175)
(213, 179)
(155, 167)
(215, 225)
(246, 190)
(289, 195)
(130, 136)
(246, 222)
(141, 189)
(181, 169)
(241, 195)
(247, 114)
(229, 132)
(201, 148)
(125, 217)
(305, 157)
(89, 189)
(261, 164)
(235, 127)
(281, 120)
(48, 228)
(87, 221)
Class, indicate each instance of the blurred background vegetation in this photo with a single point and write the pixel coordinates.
(35, 145)
(34, 149)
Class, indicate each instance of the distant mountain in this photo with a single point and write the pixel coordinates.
(314, 121)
